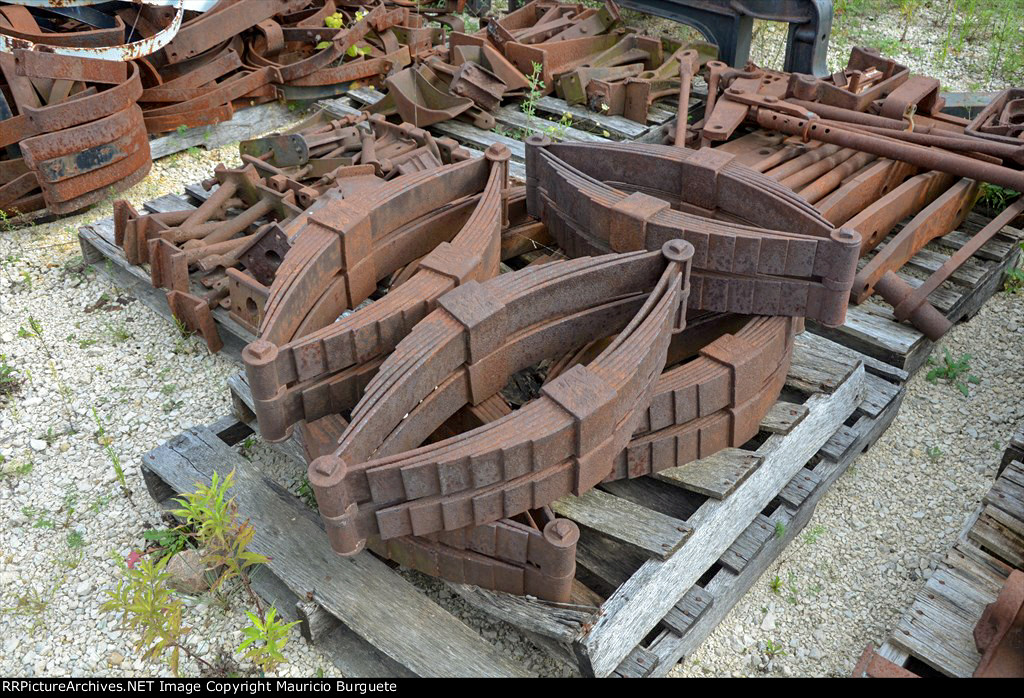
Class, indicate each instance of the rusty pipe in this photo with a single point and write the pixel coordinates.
(925, 158)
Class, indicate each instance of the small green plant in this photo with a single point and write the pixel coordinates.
(536, 91)
(934, 453)
(776, 584)
(223, 538)
(773, 650)
(31, 605)
(995, 197)
(812, 536)
(9, 381)
(194, 151)
(182, 129)
(166, 541)
(306, 493)
(150, 609)
(75, 539)
(265, 639)
(794, 591)
(1015, 275)
(953, 371)
(107, 443)
(780, 529)
(246, 447)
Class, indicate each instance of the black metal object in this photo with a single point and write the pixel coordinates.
(729, 25)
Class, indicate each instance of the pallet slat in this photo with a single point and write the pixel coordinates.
(653, 533)
(640, 603)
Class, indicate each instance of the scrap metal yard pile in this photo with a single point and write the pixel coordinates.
(457, 351)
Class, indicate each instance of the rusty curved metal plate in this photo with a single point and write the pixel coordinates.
(88, 107)
(480, 334)
(122, 52)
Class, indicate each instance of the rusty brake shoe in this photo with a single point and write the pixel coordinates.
(804, 267)
(561, 442)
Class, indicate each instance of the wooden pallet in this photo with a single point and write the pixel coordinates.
(1015, 449)
(871, 328)
(246, 123)
(936, 634)
(667, 558)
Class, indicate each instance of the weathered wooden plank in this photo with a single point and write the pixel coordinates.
(618, 126)
(609, 560)
(511, 116)
(999, 533)
(839, 443)
(727, 587)
(1007, 495)
(1014, 473)
(351, 654)
(360, 591)
(814, 368)
(638, 664)
(939, 633)
(648, 492)
(647, 530)
(748, 544)
(782, 417)
(996, 249)
(639, 604)
(880, 393)
(561, 622)
(717, 475)
(468, 133)
(871, 364)
(799, 488)
(895, 343)
(246, 123)
(316, 622)
(688, 610)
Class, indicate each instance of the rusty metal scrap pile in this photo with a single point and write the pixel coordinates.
(869, 147)
(583, 54)
(650, 295)
(366, 258)
(83, 86)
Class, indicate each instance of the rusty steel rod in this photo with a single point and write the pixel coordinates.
(927, 158)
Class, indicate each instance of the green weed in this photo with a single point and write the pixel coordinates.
(953, 371)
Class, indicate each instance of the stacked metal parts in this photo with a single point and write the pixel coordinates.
(583, 54)
(448, 388)
(677, 347)
(85, 82)
(870, 146)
